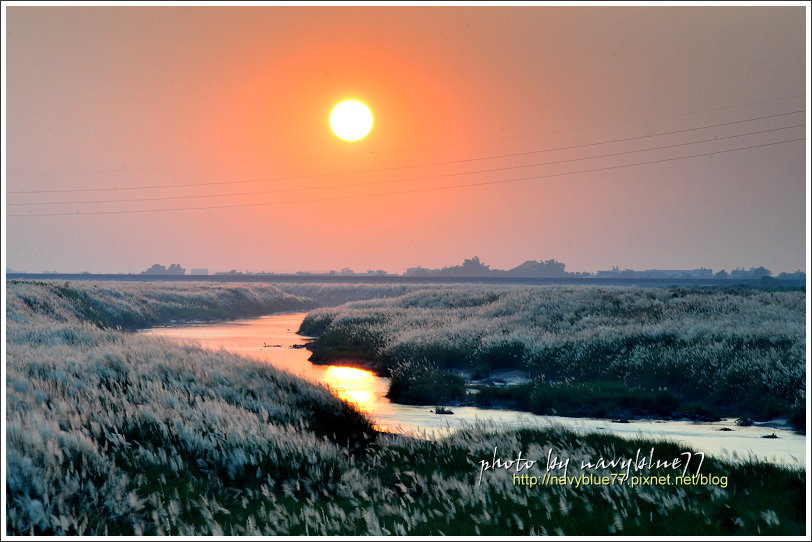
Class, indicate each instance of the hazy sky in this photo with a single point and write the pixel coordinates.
(217, 117)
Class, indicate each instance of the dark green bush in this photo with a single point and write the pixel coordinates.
(797, 418)
(600, 400)
(508, 353)
(422, 383)
(699, 412)
(517, 395)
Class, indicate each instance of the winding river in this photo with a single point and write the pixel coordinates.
(273, 339)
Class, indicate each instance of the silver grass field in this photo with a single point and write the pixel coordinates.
(735, 351)
(109, 433)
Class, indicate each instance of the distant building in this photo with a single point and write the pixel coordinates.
(615, 272)
(701, 273)
(797, 275)
(199, 272)
(417, 272)
(750, 274)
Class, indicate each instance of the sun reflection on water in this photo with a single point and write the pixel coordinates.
(353, 385)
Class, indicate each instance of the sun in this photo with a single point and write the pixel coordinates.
(351, 120)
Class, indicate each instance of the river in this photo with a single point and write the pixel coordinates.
(273, 339)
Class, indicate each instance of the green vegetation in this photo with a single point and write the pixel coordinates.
(110, 433)
(434, 484)
(582, 399)
(422, 383)
(135, 305)
(330, 295)
(700, 352)
(797, 417)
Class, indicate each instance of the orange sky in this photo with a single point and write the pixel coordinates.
(107, 101)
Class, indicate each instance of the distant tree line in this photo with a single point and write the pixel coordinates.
(158, 269)
(473, 267)
(551, 268)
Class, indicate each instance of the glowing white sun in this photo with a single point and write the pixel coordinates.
(351, 120)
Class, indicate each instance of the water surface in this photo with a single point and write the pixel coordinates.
(272, 339)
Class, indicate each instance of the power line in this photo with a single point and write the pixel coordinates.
(524, 136)
(411, 191)
(395, 168)
(654, 119)
(491, 170)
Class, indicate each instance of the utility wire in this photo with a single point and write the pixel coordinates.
(421, 178)
(525, 136)
(411, 191)
(395, 168)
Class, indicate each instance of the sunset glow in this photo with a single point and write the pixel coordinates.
(467, 269)
(355, 143)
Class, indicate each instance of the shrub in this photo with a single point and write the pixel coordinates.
(699, 412)
(517, 395)
(796, 417)
(422, 383)
(600, 400)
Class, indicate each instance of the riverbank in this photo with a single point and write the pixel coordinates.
(110, 433)
(596, 352)
(367, 391)
(603, 400)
